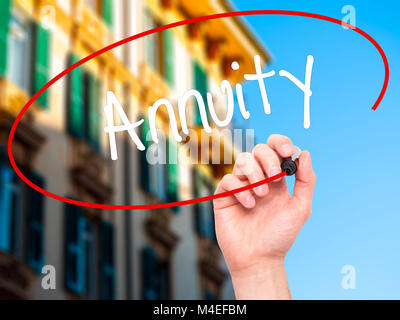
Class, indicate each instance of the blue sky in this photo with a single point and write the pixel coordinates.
(355, 151)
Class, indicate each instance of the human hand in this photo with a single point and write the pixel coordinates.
(256, 228)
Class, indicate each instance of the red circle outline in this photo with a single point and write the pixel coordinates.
(155, 30)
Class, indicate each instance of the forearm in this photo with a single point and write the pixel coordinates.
(265, 281)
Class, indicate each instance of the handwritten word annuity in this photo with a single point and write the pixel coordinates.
(112, 102)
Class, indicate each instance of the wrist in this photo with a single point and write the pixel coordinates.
(265, 279)
(258, 269)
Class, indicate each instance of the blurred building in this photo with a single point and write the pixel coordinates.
(61, 146)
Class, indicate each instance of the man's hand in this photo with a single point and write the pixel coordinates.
(256, 228)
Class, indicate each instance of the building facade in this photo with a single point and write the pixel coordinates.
(60, 145)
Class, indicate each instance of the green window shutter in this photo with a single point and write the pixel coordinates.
(6, 199)
(169, 56)
(90, 244)
(93, 122)
(150, 276)
(4, 22)
(41, 63)
(206, 222)
(107, 261)
(200, 84)
(160, 175)
(173, 173)
(197, 192)
(145, 133)
(75, 264)
(164, 276)
(75, 95)
(152, 176)
(204, 210)
(107, 11)
(144, 165)
(35, 252)
(204, 219)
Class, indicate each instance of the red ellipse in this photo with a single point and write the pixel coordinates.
(155, 30)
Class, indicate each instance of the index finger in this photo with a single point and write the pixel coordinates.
(282, 145)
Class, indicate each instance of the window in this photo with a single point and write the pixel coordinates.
(107, 262)
(200, 84)
(155, 276)
(17, 205)
(159, 49)
(157, 172)
(19, 48)
(204, 212)
(83, 113)
(25, 54)
(152, 176)
(160, 179)
(81, 256)
(156, 184)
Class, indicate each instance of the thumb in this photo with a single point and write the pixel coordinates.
(304, 185)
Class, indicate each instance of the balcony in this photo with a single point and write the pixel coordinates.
(27, 140)
(16, 278)
(12, 98)
(89, 172)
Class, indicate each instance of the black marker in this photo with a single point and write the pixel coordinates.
(289, 164)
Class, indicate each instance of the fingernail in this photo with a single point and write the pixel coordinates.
(240, 162)
(306, 159)
(287, 149)
(274, 170)
(250, 201)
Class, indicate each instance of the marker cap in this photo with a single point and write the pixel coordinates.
(289, 165)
